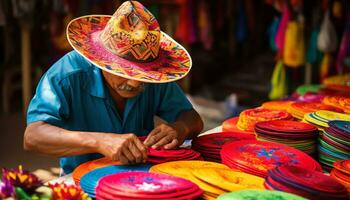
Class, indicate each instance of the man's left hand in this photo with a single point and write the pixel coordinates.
(166, 136)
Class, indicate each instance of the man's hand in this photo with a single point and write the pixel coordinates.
(126, 148)
(165, 135)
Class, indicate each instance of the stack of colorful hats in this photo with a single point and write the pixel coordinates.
(334, 143)
(295, 134)
(303, 182)
(165, 155)
(185, 169)
(210, 145)
(341, 172)
(248, 118)
(277, 105)
(230, 125)
(145, 185)
(90, 180)
(84, 168)
(256, 157)
(322, 117)
(259, 195)
(229, 180)
(338, 83)
(299, 109)
(340, 102)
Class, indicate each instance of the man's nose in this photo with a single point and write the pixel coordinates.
(134, 83)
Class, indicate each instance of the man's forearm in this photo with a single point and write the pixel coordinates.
(48, 139)
(189, 124)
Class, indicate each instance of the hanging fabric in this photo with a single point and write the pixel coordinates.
(272, 31)
(313, 54)
(344, 47)
(337, 9)
(204, 25)
(278, 82)
(279, 40)
(325, 66)
(185, 30)
(294, 47)
(327, 40)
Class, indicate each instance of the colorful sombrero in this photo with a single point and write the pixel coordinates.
(306, 183)
(339, 102)
(299, 109)
(277, 105)
(129, 44)
(248, 118)
(341, 172)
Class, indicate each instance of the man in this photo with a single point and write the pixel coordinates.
(99, 98)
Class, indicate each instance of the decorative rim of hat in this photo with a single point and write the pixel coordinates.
(129, 44)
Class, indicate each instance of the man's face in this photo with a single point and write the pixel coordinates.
(126, 88)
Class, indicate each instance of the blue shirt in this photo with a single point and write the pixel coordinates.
(72, 95)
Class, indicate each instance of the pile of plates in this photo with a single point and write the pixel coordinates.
(299, 109)
(339, 102)
(248, 118)
(322, 117)
(341, 172)
(229, 180)
(230, 125)
(295, 134)
(164, 155)
(338, 83)
(90, 180)
(185, 169)
(145, 185)
(84, 168)
(256, 157)
(306, 183)
(259, 195)
(334, 143)
(209, 146)
(277, 105)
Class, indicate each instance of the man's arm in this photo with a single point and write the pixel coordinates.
(187, 125)
(48, 139)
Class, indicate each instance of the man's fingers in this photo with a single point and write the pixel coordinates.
(163, 141)
(142, 149)
(156, 138)
(136, 152)
(123, 159)
(173, 144)
(128, 155)
(149, 141)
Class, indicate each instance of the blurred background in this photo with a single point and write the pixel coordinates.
(244, 52)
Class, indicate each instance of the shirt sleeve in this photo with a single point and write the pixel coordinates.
(50, 103)
(172, 102)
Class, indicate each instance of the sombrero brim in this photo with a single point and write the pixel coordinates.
(173, 62)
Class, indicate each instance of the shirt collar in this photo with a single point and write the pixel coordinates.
(96, 84)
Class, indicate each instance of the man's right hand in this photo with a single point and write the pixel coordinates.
(126, 148)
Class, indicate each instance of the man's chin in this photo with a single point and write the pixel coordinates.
(128, 94)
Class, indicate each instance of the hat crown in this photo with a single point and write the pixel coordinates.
(132, 33)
